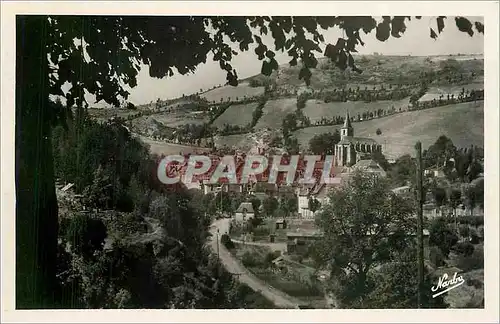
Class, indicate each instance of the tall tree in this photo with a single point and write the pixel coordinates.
(364, 226)
(324, 143)
(270, 205)
(102, 55)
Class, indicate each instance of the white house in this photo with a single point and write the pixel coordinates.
(303, 201)
(319, 192)
(244, 212)
(210, 187)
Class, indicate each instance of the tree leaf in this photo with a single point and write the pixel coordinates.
(464, 25)
(266, 68)
(398, 26)
(331, 52)
(433, 34)
(342, 61)
(270, 54)
(440, 23)
(305, 74)
(479, 27)
(310, 61)
(383, 31)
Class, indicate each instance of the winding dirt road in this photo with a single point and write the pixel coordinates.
(279, 298)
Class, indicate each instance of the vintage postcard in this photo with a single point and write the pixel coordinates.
(204, 161)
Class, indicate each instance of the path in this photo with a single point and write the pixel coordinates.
(279, 298)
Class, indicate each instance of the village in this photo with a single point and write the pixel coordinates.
(337, 179)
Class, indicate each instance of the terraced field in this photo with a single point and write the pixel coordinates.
(176, 119)
(275, 111)
(436, 92)
(463, 123)
(231, 92)
(236, 115)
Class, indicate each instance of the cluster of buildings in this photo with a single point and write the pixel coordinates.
(351, 153)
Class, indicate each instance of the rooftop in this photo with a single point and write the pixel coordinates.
(355, 140)
(245, 207)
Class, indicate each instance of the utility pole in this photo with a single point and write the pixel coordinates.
(218, 258)
(420, 233)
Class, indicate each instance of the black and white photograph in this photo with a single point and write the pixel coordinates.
(191, 161)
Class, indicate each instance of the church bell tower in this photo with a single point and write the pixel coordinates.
(346, 130)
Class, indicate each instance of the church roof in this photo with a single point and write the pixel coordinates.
(347, 120)
(369, 166)
(355, 140)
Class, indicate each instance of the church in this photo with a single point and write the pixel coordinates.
(350, 150)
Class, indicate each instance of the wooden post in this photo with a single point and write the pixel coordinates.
(420, 234)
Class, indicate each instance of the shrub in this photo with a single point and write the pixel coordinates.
(472, 262)
(271, 256)
(250, 260)
(227, 242)
(436, 256)
(474, 236)
(463, 230)
(464, 249)
(256, 221)
(476, 283)
(261, 231)
(471, 220)
(442, 235)
(85, 234)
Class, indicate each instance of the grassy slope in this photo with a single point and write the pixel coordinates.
(225, 92)
(463, 123)
(236, 115)
(315, 109)
(160, 148)
(175, 119)
(435, 91)
(275, 111)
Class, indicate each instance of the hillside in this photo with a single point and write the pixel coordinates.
(463, 123)
(162, 148)
(317, 109)
(380, 69)
(232, 93)
(240, 115)
(274, 111)
(444, 75)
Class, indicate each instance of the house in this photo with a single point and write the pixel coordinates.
(435, 172)
(233, 187)
(264, 188)
(285, 191)
(210, 187)
(303, 194)
(244, 212)
(317, 191)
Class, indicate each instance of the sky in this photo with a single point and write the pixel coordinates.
(415, 41)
